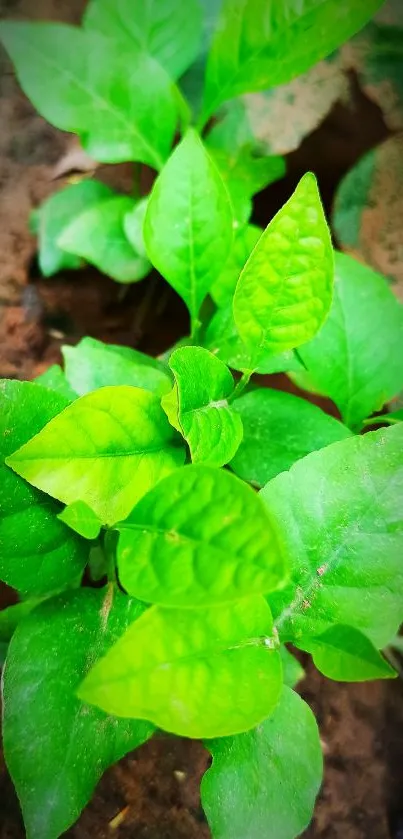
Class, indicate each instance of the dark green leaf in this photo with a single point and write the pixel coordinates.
(200, 537)
(196, 673)
(340, 514)
(13, 615)
(56, 214)
(346, 655)
(56, 747)
(98, 236)
(279, 429)
(107, 448)
(92, 364)
(169, 30)
(264, 783)
(188, 226)
(38, 554)
(358, 361)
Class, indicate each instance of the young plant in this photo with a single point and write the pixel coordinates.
(116, 465)
(131, 80)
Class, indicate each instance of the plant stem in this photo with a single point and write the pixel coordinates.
(241, 385)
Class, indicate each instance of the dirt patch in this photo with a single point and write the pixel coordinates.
(154, 792)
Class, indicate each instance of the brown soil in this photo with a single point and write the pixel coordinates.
(154, 792)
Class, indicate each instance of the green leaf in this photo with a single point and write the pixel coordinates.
(346, 655)
(188, 224)
(339, 511)
(209, 425)
(387, 419)
(56, 747)
(200, 537)
(133, 223)
(358, 361)
(79, 517)
(13, 615)
(108, 448)
(285, 290)
(275, 42)
(169, 30)
(54, 379)
(98, 236)
(264, 783)
(292, 670)
(64, 72)
(279, 429)
(92, 364)
(56, 214)
(38, 554)
(3, 652)
(196, 673)
(222, 339)
(244, 174)
(222, 290)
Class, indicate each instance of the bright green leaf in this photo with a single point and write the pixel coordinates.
(263, 43)
(292, 670)
(244, 174)
(222, 290)
(279, 429)
(90, 85)
(108, 448)
(56, 214)
(223, 340)
(57, 748)
(13, 615)
(79, 517)
(133, 223)
(92, 364)
(169, 30)
(98, 236)
(38, 554)
(346, 655)
(340, 514)
(264, 783)
(196, 673)
(188, 225)
(358, 361)
(209, 425)
(54, 379)
(200, 537)
(285, 290)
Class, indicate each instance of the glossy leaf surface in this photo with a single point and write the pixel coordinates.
(346, 655)
(38, 554)
(79, 517)
(209, 425)
(279, 429)
(285, 290)
(196, 673)
(93, 364)
(340, 514)
(107, 449)
(264, 783)
(358, 361)
(62, 69)
(188, 224)
(56, 747)
(200, 537)
(275, 42)
(98, 236)
(169, 30)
